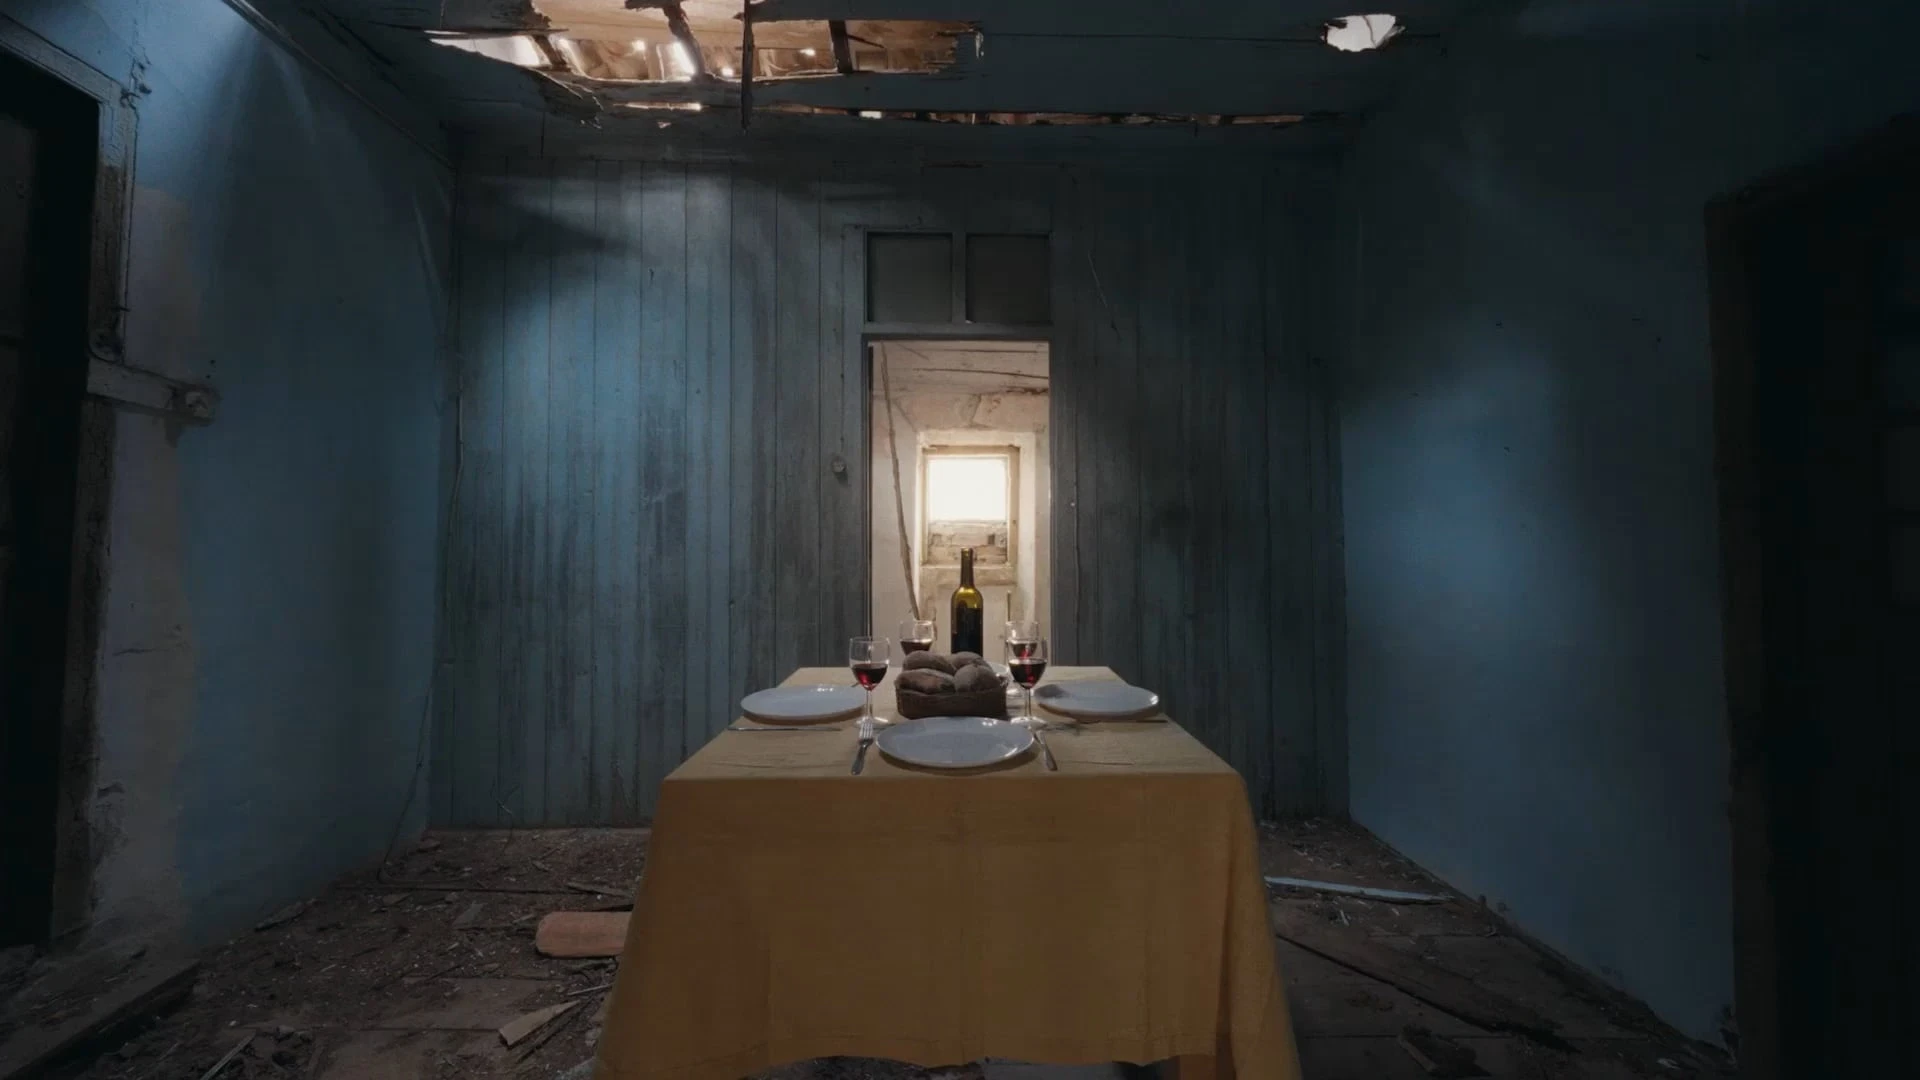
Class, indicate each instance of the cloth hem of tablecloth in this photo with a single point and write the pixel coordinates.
(920, 1052)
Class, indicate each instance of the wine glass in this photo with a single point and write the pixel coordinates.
(1027, 663)
(1021, 633)
(869, 657)
(916, 635)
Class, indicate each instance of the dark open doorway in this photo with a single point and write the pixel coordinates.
(48, 143)
(1816, 298)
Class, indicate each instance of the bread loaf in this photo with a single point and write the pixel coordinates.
(925, 681)
(975, 677)
(928, 661)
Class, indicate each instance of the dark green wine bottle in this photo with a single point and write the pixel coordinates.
(969, 610)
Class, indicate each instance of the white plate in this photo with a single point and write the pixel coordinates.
(954, 742)
(1096, 699)
(803, 704)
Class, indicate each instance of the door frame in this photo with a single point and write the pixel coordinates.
(1742, 486)
(102, 360)
(858, 356)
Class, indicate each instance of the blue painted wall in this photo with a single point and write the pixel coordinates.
(270, 612)
(1532, 561)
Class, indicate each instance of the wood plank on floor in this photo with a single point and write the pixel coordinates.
(582, 933)
(149, 991)
(1328, 1000)
(1429, 983)
(1510, 967)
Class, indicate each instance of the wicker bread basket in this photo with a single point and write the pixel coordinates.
(913, 704)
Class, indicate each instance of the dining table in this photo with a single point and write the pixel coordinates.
(1108, 910)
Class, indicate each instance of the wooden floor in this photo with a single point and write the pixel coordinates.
(410, 973)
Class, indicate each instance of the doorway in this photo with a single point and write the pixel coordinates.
(1816, 308)
(960, 459)
(48, 143)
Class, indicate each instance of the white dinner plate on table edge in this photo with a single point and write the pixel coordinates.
(803, 704)
(1096, 699)
(954, 742)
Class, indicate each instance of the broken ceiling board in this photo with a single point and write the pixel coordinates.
(1229, 18)
(447, 74)
(1046, 77)
(438, 14)
(1239, 18)
(716, 22)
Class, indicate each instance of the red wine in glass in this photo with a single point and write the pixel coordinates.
(1026, 660)
(869, 657)
(916, 635)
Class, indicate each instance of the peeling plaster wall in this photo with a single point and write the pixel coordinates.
(268, 623)
(1532, 560)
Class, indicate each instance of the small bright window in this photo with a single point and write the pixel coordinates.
(967, 488)
(970, 495)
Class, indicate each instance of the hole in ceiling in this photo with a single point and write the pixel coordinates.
(606, 39)
(1358, 33)
(516, 49)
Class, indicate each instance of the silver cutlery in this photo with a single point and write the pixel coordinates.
(827, 727)
(866, 740)
(1046, 752)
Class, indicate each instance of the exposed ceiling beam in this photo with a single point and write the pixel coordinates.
(746, 64)
(555, 58)
(842, 48)
(682, 33)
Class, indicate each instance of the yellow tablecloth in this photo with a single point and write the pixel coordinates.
(1110, 911)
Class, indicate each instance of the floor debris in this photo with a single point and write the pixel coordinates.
(1391, 896)
(230, 1055)
(35, 1032)
(468, 917)
(373, 981)
(1430, 983)
(284, 916)
(598, 889)
(582, 934)
(1439, 1055)
(515, 1031)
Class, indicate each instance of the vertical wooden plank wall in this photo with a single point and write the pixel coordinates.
(661, 371)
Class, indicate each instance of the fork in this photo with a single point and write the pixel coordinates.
(1046, 752)
(866, 740)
